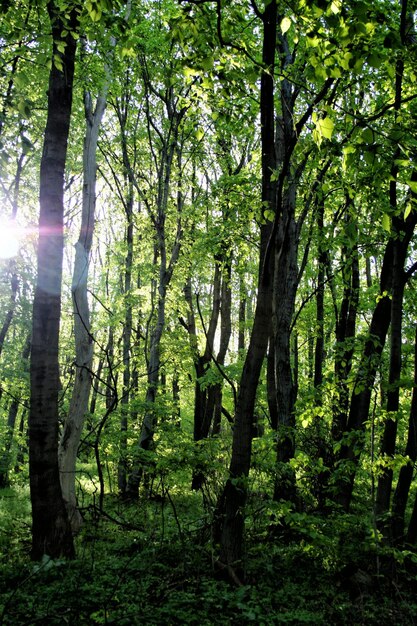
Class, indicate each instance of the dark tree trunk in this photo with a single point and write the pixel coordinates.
(383, 496)
(362, 392)
(203, 399)
(204, 396)
(233, 499)
(320, 446)
(400, 497)
(127, 336)
(345, 334)
(286, 281)
(242, 316)
(51, 531)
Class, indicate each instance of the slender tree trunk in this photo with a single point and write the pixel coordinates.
(232, 502)
(22, 448)
(241, 343)
(362, 392)
(71, 434)
(398, 283)
(165, 271)
(320, 446)
(10, 311)
(270, 385)
(400, 497)
(225, 334)
(51, 531)
(393, 394)
(345, 334)
(5, 454)
(127, 338)
(203, 404)
(319, 346)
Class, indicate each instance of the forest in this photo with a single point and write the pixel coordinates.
(208, 342)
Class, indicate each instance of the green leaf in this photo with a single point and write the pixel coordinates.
(407, 210)
(374, 60)
(128, 52)
(368, 135)
(285, 25)
(60, 46)
(58, 63)
(325, 127)
(21, 80)
(207, 63)
(386, 222)
(336, 6)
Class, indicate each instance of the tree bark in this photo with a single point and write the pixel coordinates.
(400, 497)
(387, 451)
(360, 400)
(233, 499)
(51, 531)
(71, 434)
(285, 287)
(345, 334)
(225, 333)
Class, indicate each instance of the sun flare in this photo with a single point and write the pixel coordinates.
(9, 240)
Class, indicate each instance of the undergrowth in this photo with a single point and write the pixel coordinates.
(154, 563)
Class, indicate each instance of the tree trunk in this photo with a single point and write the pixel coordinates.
(345, 334)
(400, 497)
(233, 499)
(225, 333)
(127, 338)
(241, 343)
(203, 401)
(361, 396)
(285, 287)
(12, 306)
(393, 393)
(5, 454)
(51, 531)
(165, 271)
(71, 434)
(383, 496)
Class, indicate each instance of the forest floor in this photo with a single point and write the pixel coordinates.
(153, 563)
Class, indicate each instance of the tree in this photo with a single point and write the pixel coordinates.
(51, 531)
(233, 498)
(70, 438)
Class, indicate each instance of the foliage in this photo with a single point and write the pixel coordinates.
(179, 207)
(152, 564)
